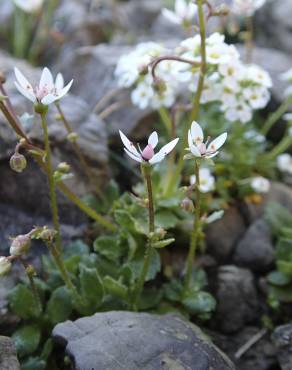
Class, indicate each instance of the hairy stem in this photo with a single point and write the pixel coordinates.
(52, 184)
(146, 171)
(196, 229)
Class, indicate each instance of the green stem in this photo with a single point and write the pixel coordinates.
(33, 286)
(196, 229)
(146, 171)
(65, 276)
(52, 184)
(275, 116)
(280, 148)
(196, 105)
(20, 33)
(166, 120)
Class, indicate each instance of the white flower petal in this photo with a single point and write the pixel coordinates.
(49, 99)
(158, 157)
(133, 156)
(59, 82)
(46, 80)
(194, 150)
(153, 139)
(197, 133)
(65, 90)
(22, 81)
(128, 144)
(25, 92)
(217, 143)
(180, 8)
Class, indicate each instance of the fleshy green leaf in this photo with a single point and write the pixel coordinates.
(165, 219)
(278, 279)
(60, 306)
(115, 288)
(108, 247)
(27, 339)
(22, 302)
(199, 302)
(163, 243)
(91, 286)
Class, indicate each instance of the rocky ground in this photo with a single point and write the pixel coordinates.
(240, 247)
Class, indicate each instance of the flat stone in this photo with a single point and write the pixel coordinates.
(134, 341)
(8, 357)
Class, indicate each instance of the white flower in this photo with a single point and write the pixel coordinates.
(197, 146)
(5, 266)
(260, 184)
(207, 180)
(29, 6)
(183, 12)
(284, 163)
(147, 154)
(142, 95)
(238, 112)
(257, 97)
(246, 8)
(46, 92)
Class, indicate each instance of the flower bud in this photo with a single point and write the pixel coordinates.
(48, 234)
(73, 137)
(63, 167)
(5, 266)
(17, 162)
(20, 245)
(30, 270)
(159, 86)
(187, 204)
(143, 70)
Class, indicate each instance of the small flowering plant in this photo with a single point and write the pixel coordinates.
(147, 155)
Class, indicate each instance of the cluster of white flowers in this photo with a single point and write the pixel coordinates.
(287, 76)
(238, 88)
(130, 72)
(29, 6)
(246, 8)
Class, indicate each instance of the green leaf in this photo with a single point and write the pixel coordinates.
(278, 279)
(150, 298)
(199, 302)
(108, 247)
(285, 268)
(34, 363)
(284, 250)
(137, 263)
(91, 286)
(115, 288)
(215, 216)
(163, 243)
(78, 247)
(59, 306)
(26, 339)
(278, 217)
(283, 294)
(22, 302)
(165, 219)
(173, 290)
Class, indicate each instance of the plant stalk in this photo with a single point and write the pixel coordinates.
(275, 116)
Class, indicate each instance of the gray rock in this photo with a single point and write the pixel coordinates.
(222, 235)
(132, 341)
(261, 356)
(8, 357)
(237, 300)
(93, 70)
(255, 250)
(282, 338)
(273, 24)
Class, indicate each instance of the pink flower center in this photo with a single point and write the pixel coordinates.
(148, 152)
(202, 148)
(41, 93)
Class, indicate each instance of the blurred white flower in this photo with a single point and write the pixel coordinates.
(183, 12)
(260, 184)
(29, 6)
(46, 92)
(207, 180)
(284, 163)
(246, 8)
(197, 146)
(148, 154)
